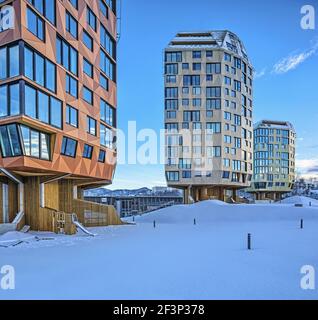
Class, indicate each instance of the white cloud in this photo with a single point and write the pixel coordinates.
(260, 74)
(295, 59)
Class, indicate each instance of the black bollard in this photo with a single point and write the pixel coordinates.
(154, 224)
(249, 242)
(133, 218)
(301, 224)
(195, 222)
(310, 204)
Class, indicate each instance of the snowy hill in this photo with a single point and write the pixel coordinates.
(176, 260)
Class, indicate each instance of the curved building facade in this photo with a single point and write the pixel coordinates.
(208, 114)
(274, 159)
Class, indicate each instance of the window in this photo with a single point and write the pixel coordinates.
(74, 3)
(107, 113)
(46, 8)
(87, 40)
(106, 137)
(171, 92)
(71, 86)
(227, 81)
(35, 24)
(10, 100)
(43, 107)
(72, 116)
(103, 81)
(66, 55)
(213, 92)
(209, 54)
(43, 101)
(39, 69)
(9, 62)
(107, 42)
(71, 25)
(88, 95)
(173, 57)
(102, 156)
(88, 152)
(103, 8)
(36, 144)
(91, 126)
(196, 55)
(107, 66)
(171, 68)
(191, 80)
(185, 66)
(227, 116)
(227, 57)
(213, 68)
(88, 68)
(69, 147)
(212, 104)
(56, 113)
(213, 127)
(173, 176)
(91, 19)
(196, 66)
(9, 141)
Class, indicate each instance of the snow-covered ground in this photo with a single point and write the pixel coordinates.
(175, 260)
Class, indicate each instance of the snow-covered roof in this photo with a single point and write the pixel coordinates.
(222, 39)
(275, 124)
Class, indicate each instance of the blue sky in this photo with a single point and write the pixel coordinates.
(273, 37)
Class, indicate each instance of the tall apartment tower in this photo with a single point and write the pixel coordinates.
(274, 159)
(57, 106)
(208, 114)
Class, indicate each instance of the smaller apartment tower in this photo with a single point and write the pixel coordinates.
(208, 114)
(274, 159)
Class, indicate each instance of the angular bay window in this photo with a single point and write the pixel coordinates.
(43, 107)
(10, 141)
(17, 140)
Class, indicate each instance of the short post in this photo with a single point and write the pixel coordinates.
(133, 218)
(310, 204)
(301, 224)
(249, 242)
(195, 222)
(154, 224)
